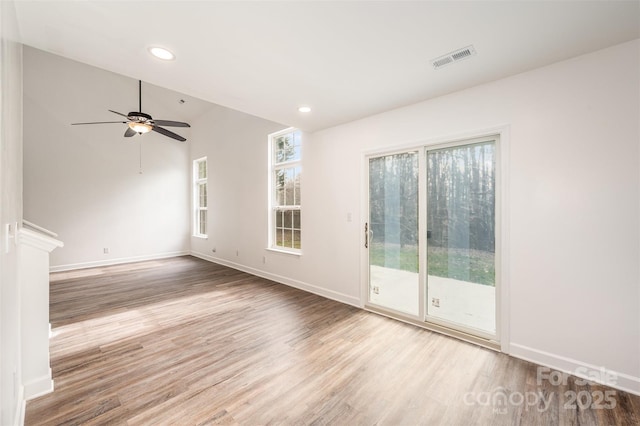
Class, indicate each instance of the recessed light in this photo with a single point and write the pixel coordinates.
(304, 109)
(162, 53)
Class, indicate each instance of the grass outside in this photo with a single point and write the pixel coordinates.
(288, 238)
(474, 266)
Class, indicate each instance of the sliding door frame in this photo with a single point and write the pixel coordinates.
(501, 136)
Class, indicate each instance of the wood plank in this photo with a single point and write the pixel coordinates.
(185, 341)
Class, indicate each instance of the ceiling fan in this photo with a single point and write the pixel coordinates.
(138, 122)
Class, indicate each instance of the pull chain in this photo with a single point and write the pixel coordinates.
(140, 110)
(140, 154)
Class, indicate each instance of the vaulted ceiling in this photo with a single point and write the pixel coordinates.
(344, 59)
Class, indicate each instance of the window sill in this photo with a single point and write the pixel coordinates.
(292, 253)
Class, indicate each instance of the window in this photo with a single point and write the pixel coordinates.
(285, 232)
(200, 197)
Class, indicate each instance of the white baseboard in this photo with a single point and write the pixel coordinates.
(18, 419)
(107, 262)
(329, 294)
(602, 375)
(38, 387)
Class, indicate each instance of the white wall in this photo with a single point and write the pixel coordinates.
(10, 213)
(574, 204)
(235, 145)
(83, 182)
(574, 193)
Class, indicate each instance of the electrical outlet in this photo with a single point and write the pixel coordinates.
(376, 290)
(435, 302)
(237, 252)
(264, 259)
(213, 250)
(105, 250)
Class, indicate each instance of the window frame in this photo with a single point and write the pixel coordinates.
(275, 207)
(198, 183)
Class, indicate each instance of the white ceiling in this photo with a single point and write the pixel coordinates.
(346, 59)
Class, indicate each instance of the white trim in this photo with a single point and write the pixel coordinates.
(364, 236)
(37, 240)
(422, 233)
(285, 252)
(83, 265)
(623, 382)
(282, 132)
(39, 228)
(503, 236)
(38, 387)
(453, 138)
(21, 407)
(310, 288)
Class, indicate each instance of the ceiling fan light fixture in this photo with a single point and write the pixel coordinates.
(162, 53)
(304, 108)
(140, 127)
(139, 122)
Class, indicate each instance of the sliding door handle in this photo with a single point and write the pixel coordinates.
(366, 235)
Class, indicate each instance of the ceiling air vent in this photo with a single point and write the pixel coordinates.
(455, 56)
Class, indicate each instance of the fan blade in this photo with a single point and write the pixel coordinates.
(171, 123)
(119, 113)
(130, 132)
(98, 122)
(168, 133)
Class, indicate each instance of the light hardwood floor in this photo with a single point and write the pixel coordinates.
(184, 341)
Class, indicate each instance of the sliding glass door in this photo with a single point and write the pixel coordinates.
(431, 235)
(393, 232)
(461, 236)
